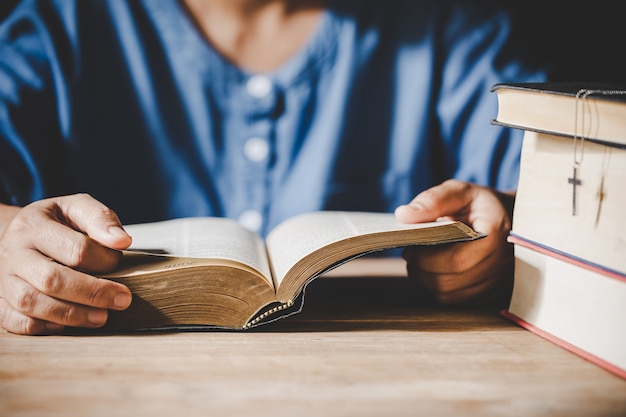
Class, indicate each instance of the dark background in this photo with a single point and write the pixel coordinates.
(581, 41)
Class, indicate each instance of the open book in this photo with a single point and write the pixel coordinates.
(214, 272)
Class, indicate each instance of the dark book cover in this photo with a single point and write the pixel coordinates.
(593, 89)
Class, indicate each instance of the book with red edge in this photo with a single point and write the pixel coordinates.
(571, 302)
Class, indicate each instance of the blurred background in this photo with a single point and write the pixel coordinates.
(581, 41)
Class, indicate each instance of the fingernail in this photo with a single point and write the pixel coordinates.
(117, 231)
(97, 317)
(122, 300)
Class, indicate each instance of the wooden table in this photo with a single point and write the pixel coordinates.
(362, 347)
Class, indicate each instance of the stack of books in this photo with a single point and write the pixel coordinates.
(569, 228)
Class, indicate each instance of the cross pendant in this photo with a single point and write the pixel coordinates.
(601, 194)
(574, 181)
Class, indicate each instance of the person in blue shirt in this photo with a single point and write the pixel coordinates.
(133, 111)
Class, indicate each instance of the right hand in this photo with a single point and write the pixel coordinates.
(474, 272)
(47, 252)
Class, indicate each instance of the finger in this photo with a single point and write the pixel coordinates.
(451, 258)
(73, 248)
(448, 198)
(46, 226)
(447, 281)
(478, 292)
(16, 322)
(62, 283)
(486, 279)
(31, 302)
(464, 288)
(95, 219)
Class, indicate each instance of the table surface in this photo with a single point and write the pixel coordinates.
(363, 346)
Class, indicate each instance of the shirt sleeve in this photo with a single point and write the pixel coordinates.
(481, 51)
(34, 66)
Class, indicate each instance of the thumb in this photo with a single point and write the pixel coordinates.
(93, 218)
(446, 199)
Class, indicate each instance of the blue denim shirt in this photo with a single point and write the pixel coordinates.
(126, 100)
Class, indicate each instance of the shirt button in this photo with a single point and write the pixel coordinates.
(259, 86)
(251, 219)
(256, 149)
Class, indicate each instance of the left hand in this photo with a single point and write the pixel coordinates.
(463, 273)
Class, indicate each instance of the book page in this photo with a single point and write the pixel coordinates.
(296, 237)
(202, 237)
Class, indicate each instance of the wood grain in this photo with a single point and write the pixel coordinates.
(367, 347)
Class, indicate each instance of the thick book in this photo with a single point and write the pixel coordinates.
(209, 271)
(579, 306)
(590, 110)
(577, 210)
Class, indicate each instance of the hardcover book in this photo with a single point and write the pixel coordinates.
(577, 209)
(575, 304)
(591, 110)
(568, 229)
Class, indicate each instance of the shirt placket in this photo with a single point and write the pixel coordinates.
(255, 109)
